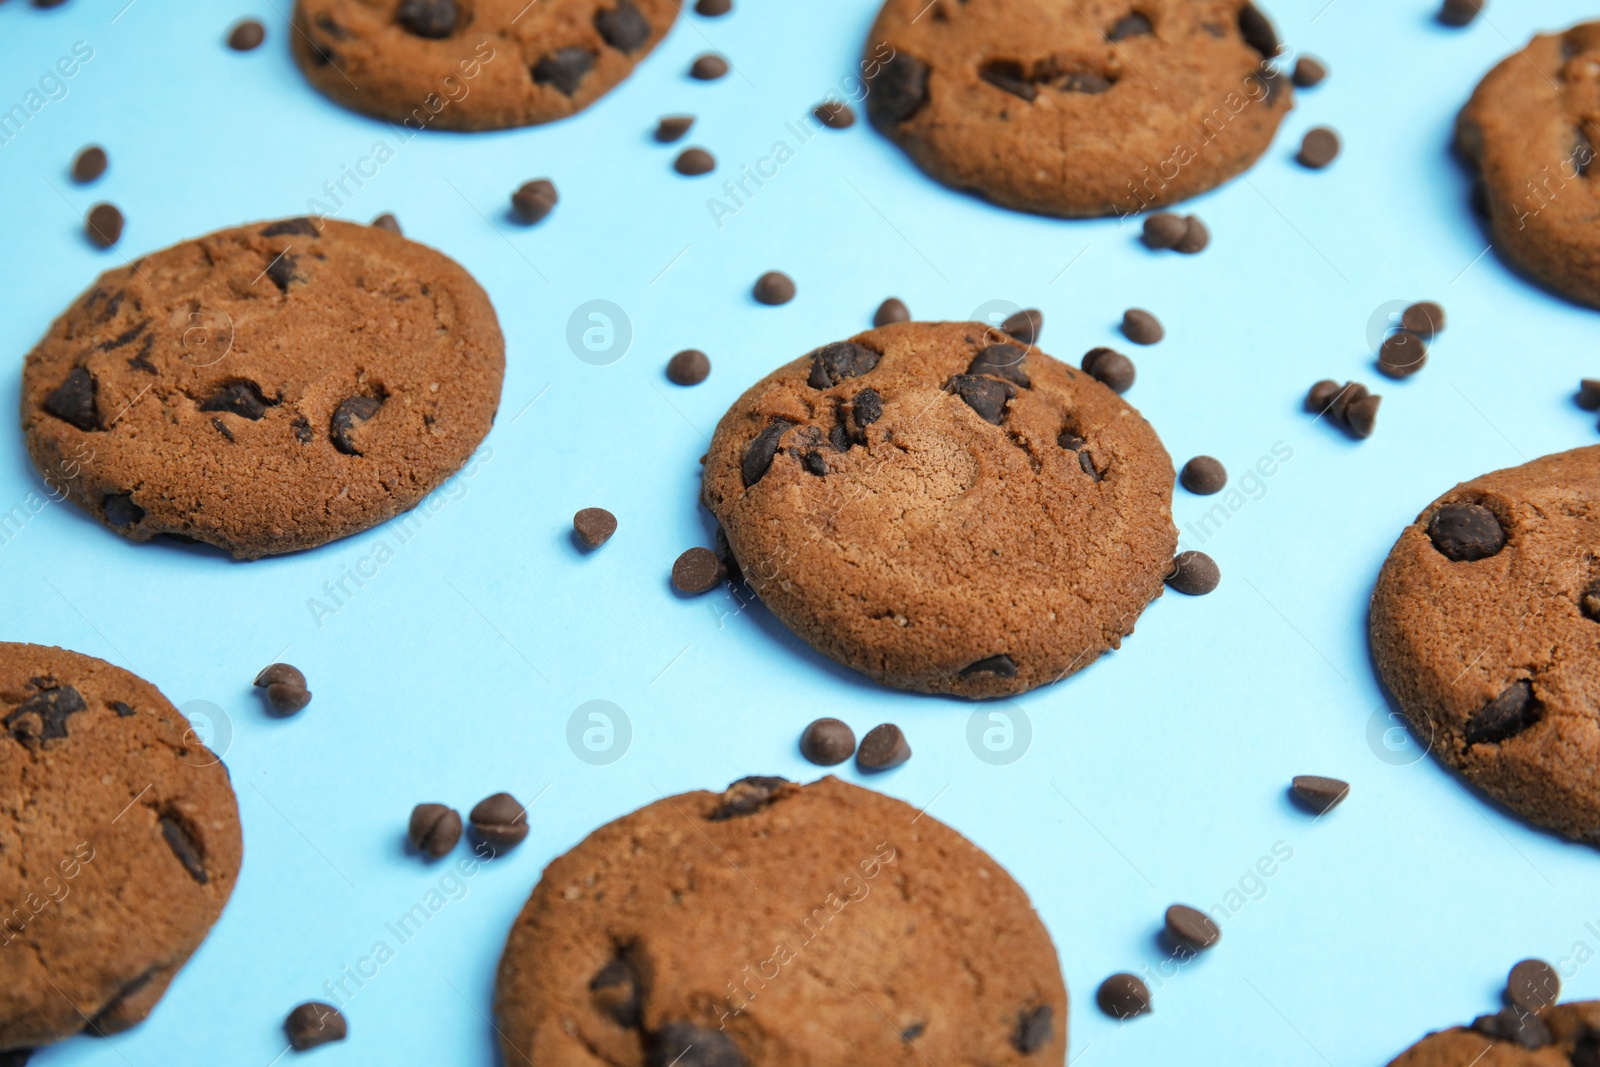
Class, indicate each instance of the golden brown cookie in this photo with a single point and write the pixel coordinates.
(119, 845)
(1562, 1035)
(943, 509)
(473, 64)
(781, 926)
(1088, 108)
(1529, 134)
(266, 388)
(1485, 622)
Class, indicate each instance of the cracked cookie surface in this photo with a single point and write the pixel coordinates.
(943, 509)
(1100, 107)
(266, 388)
(473, 64)
(1485, 624)
(119, 845)
(782, 926)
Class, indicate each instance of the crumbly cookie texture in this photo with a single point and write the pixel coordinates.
(1484, 625)
(119, 845)
(779, 925)
(478, 65)
(943, 509)
(265, 388)
(1078, 109)
(1562, 1035)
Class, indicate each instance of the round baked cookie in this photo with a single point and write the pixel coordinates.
(943, 509)
(782, 926)
(1485, 622)
(473, 64)
(1529, 134)
(119, 845)
(1078, 109)
(1562, 1035)
(266, 388)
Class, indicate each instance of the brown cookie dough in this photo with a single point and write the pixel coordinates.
(1563, 1035)
(265, 389)
(473, 64)
(781, 926)
(943, 509)
(1077, 109)
(1485, 622)
(1529, 135)
(119, 845)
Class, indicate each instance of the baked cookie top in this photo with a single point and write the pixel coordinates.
(118, 847)
(779, 925)
(944, 509)
(1485, 625)
(473, 64)
(266, 388)
(1530, 132)
(1092, 108)
(1562, 1035)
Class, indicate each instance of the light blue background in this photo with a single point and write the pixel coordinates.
(1156, 776)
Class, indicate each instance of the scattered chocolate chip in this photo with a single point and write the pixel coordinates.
(594, 526)
(563, 69)
(51, 706)
(1008, 76)
(1507, 715)
(434, 828)
(120, 510)
(1513, 1024)
(623, 27)
(834, 114)
(1308, 72)
(1533, 985)
(499, 820)
(697, 571)
(827, 742)
(866, 408)
(1132, 25)
(708, 67)
(1362, 415)
(1459, 12)
(347, 416)
(672, 127)
(314, 1023)
(759, 452)
(1589, 394)
(1316, 793)
(433, 19)
(832, 364)
(774, 287)
(104, 225)
(747, 796)
(693, 162)
(1025, 325)
(1002, 361)
(302, 429)
(895, 310)
(1123, 996)
(986, 396)
(89, 164)
(303, 227)
(1257, 31)
(1194, 573)
(181, 840)
(281, 270)
(243, 398)
(1034, 1025)
(1196, 237)
(1402, 354)
(899, 90)
(1000, 665)
(280, 674)
(534, 200)
(73, 400)
(712, 8)
(246, 35)
(387, 221)
(1203, 475)
(1141, 327)
(1190, 928)
(1424, 318)
(615, 991)
(1319, 148)
(883, 747)
(813, 463)
(286, 688)
(1109, 367)
(689, 367)
(1164, 229)
(1466, 532)
(683, 1044)
(1086, 464)
(124, 711)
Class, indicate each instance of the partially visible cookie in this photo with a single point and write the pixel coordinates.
(1077, 109)
(473, 64)
(119, 845)
(1485, 621)
(1529, 134)
(266, 388)
(944, 509)
(1563, 1035)
(776, 925)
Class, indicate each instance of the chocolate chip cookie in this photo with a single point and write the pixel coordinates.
(1098, 107)
(119, 845)
(944, 509)
(1562, 1035)
(473, 64)
(266, 388)
(1485, 621)
(779, 925)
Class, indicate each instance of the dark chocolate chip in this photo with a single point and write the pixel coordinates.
(302, 226)
(899, 90)
(1318, 148)
(104, 225)
(747, 796)
(51, 706)
(832, 364)
(433, 19)
(986, 396)
(1459, 12)
(126, 337)
(124, 711)
(693, 162)
(387, 221)
(759, 452)
(1424, 318)
(1123, 996)
(1141, 327)
(73, 400)
(594, 526)
(280, 674)
(1008, 76)
(499, 820)
(910, 1033)
(839, 438)
(698, 570)
(534, 200)
(884, 747)
(1002, 361)
(281, 270)
(1523, 1028)
(1164, 229)
(1316, 793)
(624, 27)
(1533, 985)
(1086, 464)
(1203, 475)
(834, 114)
(1589, 602)
(1362, 415)
(866, 408)
(895, 310)
(672, 127)
(1257, 31)
(246, 35)
(347, 416)
(314, 1023)
(434, 828)
(1191, 928)
(180, 838)
(1507, 715)
(1084, 82)
(1402, 354)
(712, 8)
(689, 367)
(725, 556)
(243, 398)
(302, 429)
(775, 287)
(563, 69)
(120, 510)
(1034, 1029)
(1025, 325)
(708, 67)
(1111, 368)
(89, 164)
(683, 1044)
(1000, 665)
(1466, 532)
(615, 992)
(827, 742)
(1131, 25)
(1194, 573)
(1196, 237)
(286, 698)
(813, 463)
